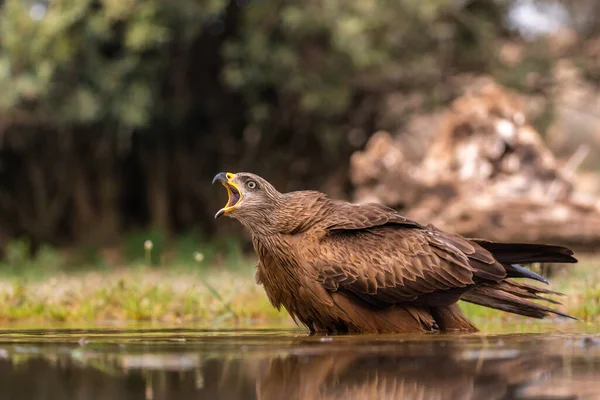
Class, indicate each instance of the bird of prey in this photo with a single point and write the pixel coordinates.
(339, 267)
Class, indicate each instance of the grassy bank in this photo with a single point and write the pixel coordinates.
(136, 293)
(184, 295)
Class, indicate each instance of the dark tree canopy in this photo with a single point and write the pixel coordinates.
(115, 114)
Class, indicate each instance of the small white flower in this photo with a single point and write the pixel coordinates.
(148, 245)
(198, 256)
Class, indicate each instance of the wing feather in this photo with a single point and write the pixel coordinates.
(375, 254)
(349, 216)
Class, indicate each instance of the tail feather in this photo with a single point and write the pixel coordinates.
(515, 298)
(526, 253)
(526, 291)
(517, 271)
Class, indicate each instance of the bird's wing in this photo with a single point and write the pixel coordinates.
(348, 216)
(389, 262)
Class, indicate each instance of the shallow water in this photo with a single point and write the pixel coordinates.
(115, 364)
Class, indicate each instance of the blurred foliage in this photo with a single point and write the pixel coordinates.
(141, 249)
(115, 114)
(191, 249)
(308, 62)
(145, 246)
(19, 260)
(90, 61)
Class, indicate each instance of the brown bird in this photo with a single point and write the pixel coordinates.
(339, 267)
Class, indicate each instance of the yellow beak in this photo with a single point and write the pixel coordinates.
(234, 196)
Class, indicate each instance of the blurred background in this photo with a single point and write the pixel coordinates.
(116, 114)
(479, 116)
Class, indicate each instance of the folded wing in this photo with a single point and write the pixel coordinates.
(373, 253)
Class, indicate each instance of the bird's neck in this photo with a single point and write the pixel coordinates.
(300, 212)
(294, 213)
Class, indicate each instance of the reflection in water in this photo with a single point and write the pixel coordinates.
(282, 365)
(397, 377)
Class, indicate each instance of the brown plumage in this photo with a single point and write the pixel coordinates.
(341, 267)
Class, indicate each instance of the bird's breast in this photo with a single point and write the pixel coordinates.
(288, 279)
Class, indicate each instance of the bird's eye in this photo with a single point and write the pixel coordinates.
(251, 185)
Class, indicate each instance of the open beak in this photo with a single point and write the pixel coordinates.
(234, 196)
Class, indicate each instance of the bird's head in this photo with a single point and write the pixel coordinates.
(250, 199)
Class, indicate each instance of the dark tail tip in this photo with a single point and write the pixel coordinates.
(517, 271)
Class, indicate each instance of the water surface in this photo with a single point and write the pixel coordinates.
(115, 364)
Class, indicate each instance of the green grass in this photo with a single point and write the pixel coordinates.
(199, 287)
(192, 282)
(137, 293)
